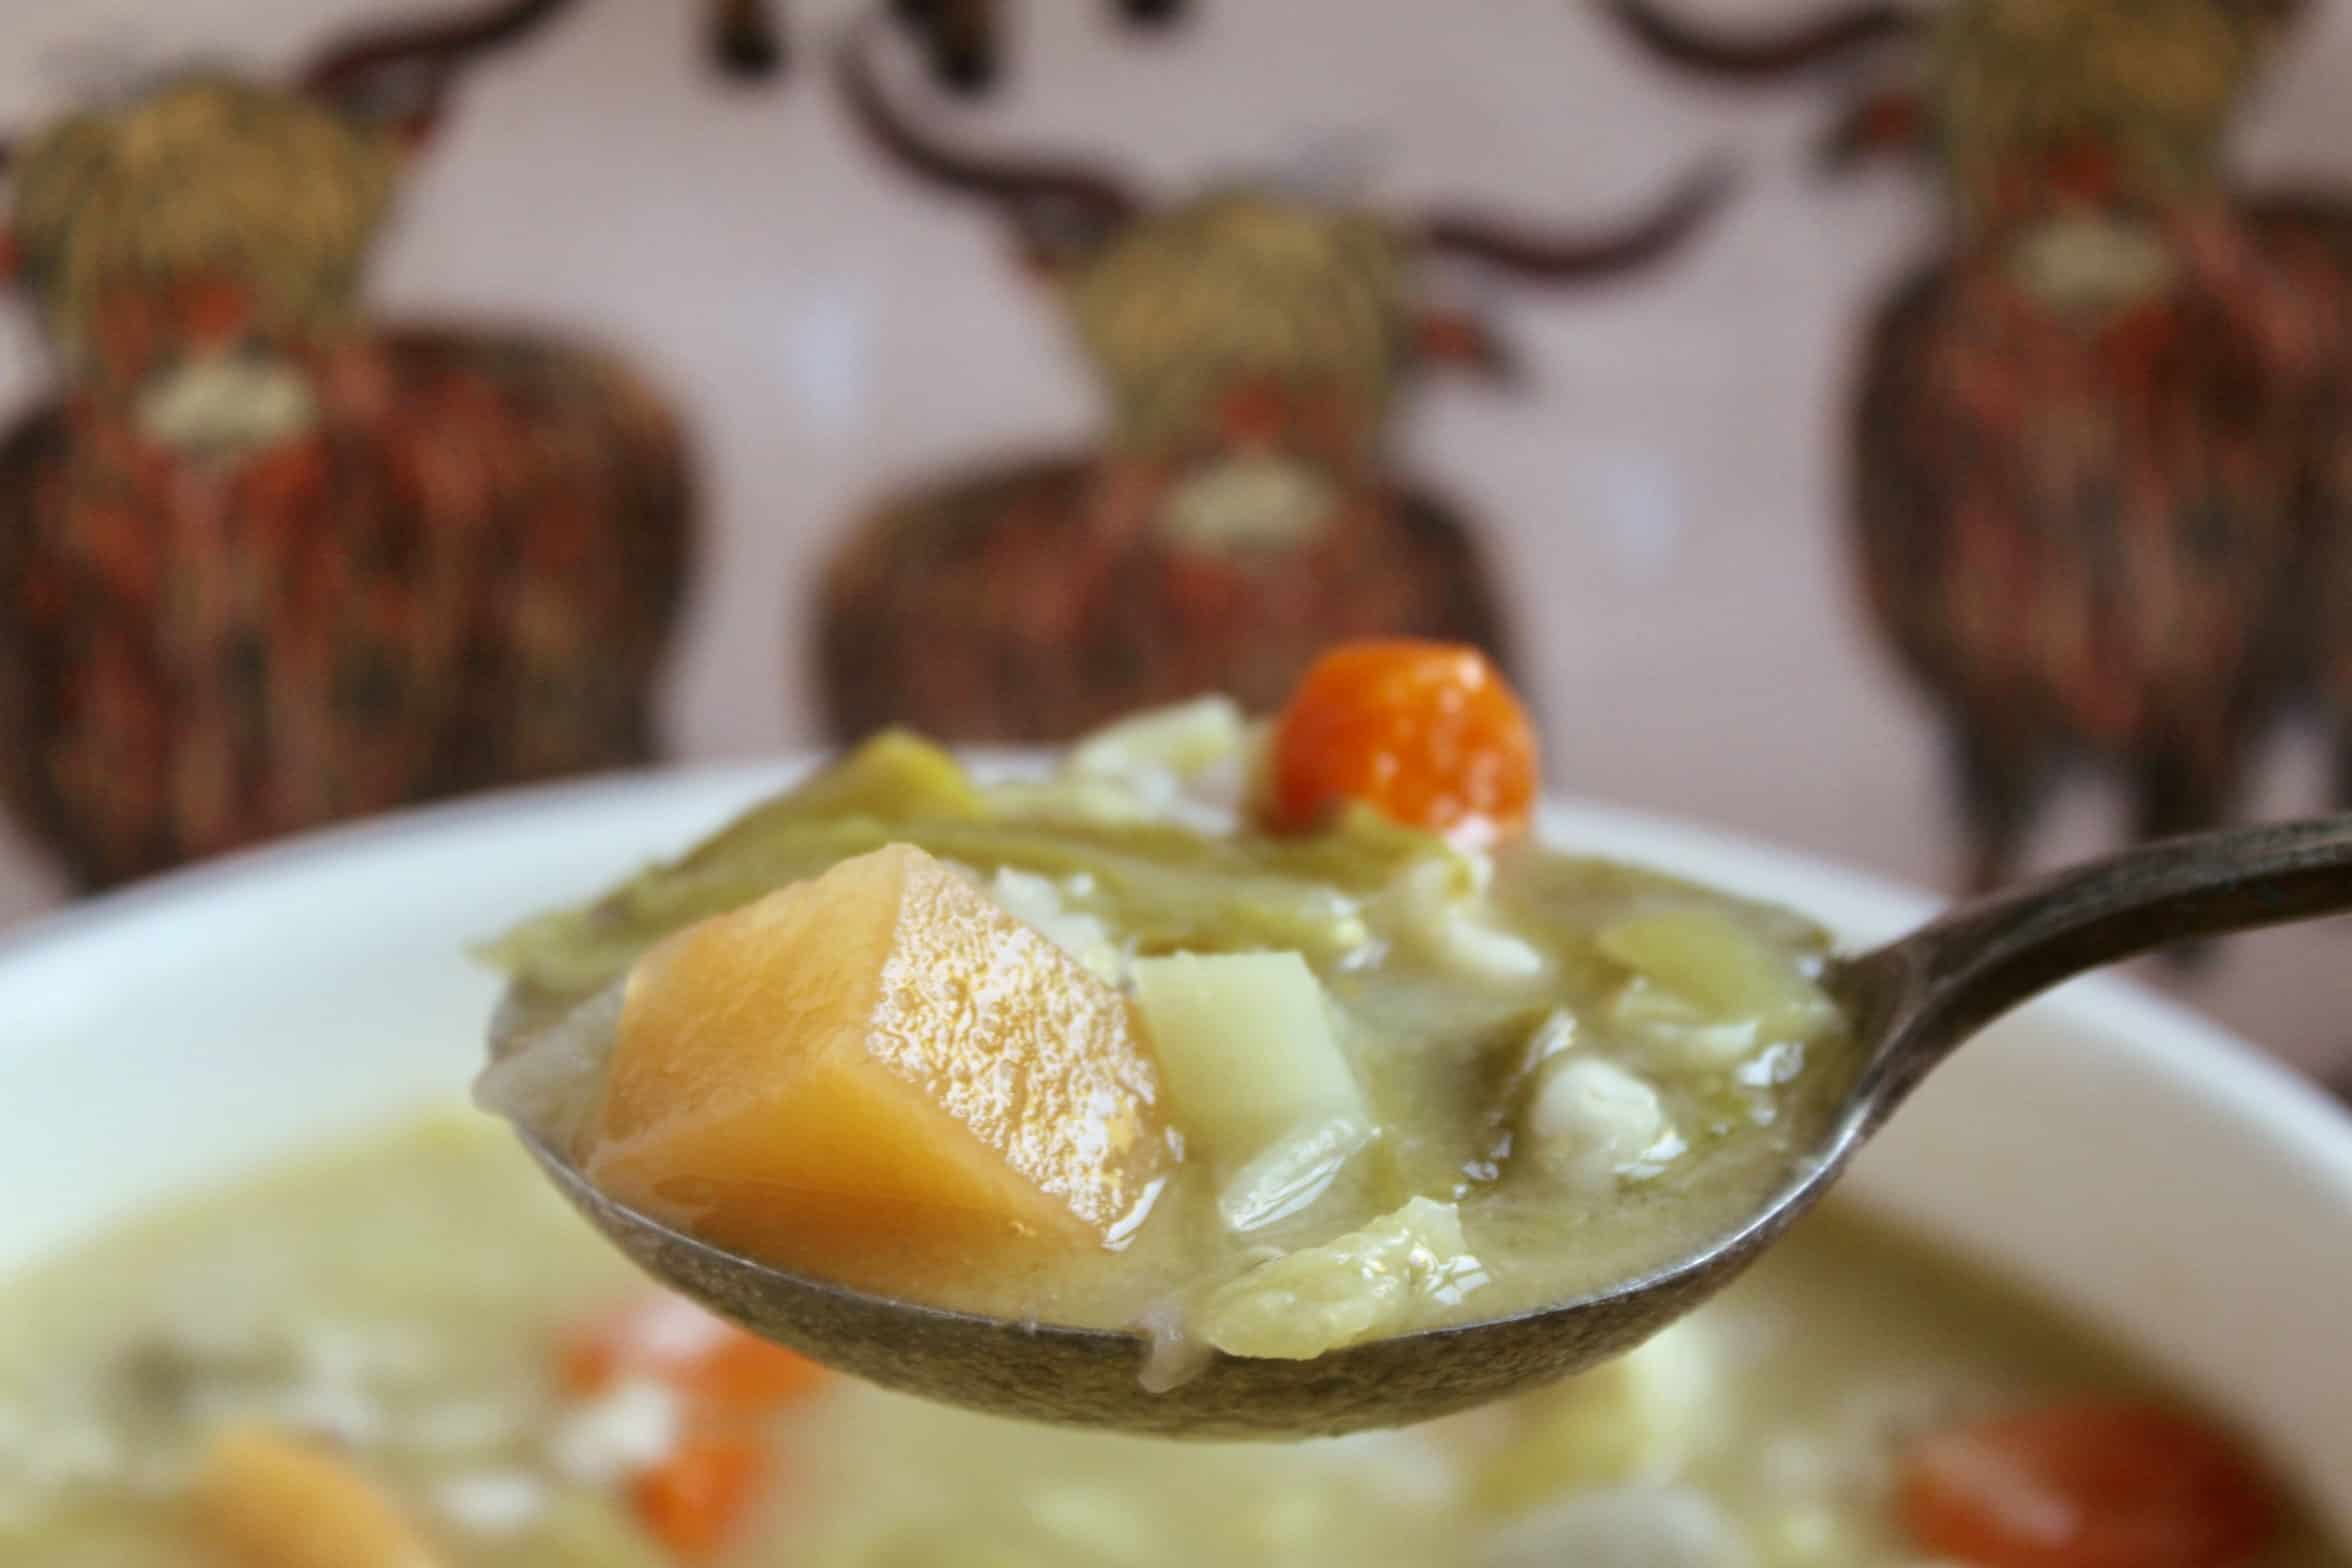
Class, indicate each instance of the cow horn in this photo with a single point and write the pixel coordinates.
(414, 63)
(745, 42)
(1056, 207)
(1764, 57)
(1584, 257)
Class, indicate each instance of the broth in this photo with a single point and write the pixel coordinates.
(406, 1295)
(1557, 1072)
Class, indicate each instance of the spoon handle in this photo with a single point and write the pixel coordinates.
(1924, 994)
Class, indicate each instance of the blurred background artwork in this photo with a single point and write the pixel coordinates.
(2097, 443)
(963, 41)
(2089, 521)
(1240, 512)
(267, 562)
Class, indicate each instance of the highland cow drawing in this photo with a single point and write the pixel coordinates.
(266, 563)
(2096, 447)
(963, 39)
(1240, 510)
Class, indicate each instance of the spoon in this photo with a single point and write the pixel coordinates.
(1911, 1002)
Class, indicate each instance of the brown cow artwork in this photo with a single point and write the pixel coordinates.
(746, 40)
(1240, 512)
(963, 39)
(2098, 440)
(265, 563)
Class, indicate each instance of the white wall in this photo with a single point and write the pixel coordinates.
(1663, 505)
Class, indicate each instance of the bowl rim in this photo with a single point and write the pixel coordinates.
(1873, 906)
(2181, 1056)
(1858, 904)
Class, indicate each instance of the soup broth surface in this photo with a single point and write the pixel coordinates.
(403, 1304)
(1560, 1072)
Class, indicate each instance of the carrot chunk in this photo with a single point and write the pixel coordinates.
(714, 1364)
(1427, 733)
(695, 1500)
(2086, 1485)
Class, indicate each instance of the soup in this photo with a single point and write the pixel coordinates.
(1127, 1046)
(421, 1322)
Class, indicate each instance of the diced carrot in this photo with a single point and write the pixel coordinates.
(2086, 1485)
(694, 1500)
(716, 1365)
(1427, 733)
(747, 1374)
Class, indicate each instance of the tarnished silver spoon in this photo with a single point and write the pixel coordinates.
(1911, 1002)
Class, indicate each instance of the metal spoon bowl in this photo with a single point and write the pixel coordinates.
(1911, 1001)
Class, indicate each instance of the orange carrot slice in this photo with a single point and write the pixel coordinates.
(710, 1361)
(695, 1500)
(1427, 733)
(2086, 1485)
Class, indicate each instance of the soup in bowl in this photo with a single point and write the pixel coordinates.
(274, 1296)
(1192, 1032)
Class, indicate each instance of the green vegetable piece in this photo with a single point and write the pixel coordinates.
(1368, 1283)
(1183, 737)
(1725, 973)
(840, 812)
(1288, 1175)
(1160, 886)
(897, 776)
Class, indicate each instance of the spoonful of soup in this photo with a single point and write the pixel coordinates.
(1249, 1079)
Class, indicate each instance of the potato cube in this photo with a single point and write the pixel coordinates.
(1246, 1048)
(878, 1059)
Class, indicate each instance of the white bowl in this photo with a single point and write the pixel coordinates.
(2113, 1152)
